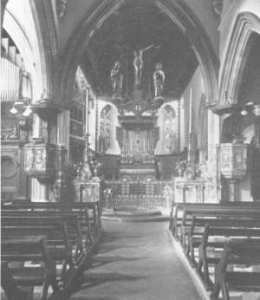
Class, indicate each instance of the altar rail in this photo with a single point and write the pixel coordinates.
(147, 194)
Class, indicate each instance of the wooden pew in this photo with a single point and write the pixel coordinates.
(55, 231)
(25, 262)
(80, 239)
(178, 209)
(227, 278)
(66, 231)
(198, 225)
(190, 240)
(216, 233)
(89, 213)
(78, 222)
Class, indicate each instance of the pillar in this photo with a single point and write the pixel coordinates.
(233, 190)
(39, 191)
(59, 185)
(213, 188)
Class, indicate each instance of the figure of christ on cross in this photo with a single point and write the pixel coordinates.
(138, 63)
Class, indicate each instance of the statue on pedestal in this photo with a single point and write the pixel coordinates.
(117, 77)
(158, 80)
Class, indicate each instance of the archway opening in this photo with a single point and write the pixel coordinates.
(249, 126)
(243, 123)
(139, 56)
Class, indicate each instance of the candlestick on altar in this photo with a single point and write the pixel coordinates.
(190, 128)
(87, 110)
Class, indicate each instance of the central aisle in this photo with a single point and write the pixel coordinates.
(136, 261)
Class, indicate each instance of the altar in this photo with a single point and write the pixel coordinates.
(137, 138)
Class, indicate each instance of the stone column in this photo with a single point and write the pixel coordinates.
(63, 127)
(233, 190)
(59, 185)
(257, 125)
(38, 190)
(213, 188)
(255, 156)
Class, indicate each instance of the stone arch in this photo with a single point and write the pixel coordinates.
(177, 11)
(31, 44)
(237, 53)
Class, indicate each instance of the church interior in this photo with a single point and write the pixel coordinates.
(130, 149)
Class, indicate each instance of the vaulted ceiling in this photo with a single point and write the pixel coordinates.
(136, 25)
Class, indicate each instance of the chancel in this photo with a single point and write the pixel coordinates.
(130, 149)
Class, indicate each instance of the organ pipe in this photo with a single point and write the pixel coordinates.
(10, 81)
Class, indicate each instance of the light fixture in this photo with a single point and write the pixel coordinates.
(13, 110)
(19, 102)
(28, 111)
(243, 112)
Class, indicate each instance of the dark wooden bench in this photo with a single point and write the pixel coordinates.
(26, 263)
(245, 253)
(216, 233)
(204, 229)
(80, 226)
(86, 229)
(89, 213)
(190, 240)
(66, 229)
(177, 211)
(56, 233)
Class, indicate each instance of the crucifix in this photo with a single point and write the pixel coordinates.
(138, 63)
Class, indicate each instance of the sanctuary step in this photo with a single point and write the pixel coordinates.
(133, 214)
(145, 194)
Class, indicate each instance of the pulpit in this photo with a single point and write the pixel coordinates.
(233, 165)
(39, 161)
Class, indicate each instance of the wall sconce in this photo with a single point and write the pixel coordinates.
(23, 112)
(250, 107)
(21, 108)
(244, 112)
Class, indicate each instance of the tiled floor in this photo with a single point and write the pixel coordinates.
(136, 261)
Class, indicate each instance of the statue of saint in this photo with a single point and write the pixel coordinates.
(158, 80)
(117, 77)
(138, 63)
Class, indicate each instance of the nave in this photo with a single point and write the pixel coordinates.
(136, 261)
